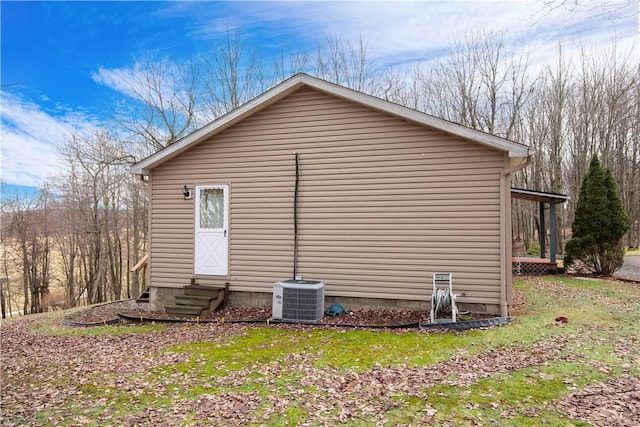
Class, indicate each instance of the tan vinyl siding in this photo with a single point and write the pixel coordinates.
(383, 203)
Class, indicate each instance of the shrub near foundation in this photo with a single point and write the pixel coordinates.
(600, 223)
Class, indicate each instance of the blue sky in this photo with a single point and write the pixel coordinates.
(60, 61)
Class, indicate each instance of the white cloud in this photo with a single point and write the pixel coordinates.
(30, 137)
(148, 85)
(148, 80)
(401, 32)
(119, 79)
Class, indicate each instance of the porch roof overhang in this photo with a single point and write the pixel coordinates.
(538, 196)
(543, 198)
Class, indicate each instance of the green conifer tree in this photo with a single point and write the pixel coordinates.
(600, 223)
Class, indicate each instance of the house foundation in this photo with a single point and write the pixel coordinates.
(160, 297)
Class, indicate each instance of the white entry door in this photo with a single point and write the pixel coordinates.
(211, 237)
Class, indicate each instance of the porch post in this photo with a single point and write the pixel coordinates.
(552, 229)
(542, 230)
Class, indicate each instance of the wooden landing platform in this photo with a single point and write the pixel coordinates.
(533, 266)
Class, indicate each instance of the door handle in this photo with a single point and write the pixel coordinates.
(225, 233)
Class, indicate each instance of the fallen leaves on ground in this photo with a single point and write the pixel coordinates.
(124, 365)
(614, 403)
(41, 372)
(79, 380)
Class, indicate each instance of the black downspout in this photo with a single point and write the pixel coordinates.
(295, 216)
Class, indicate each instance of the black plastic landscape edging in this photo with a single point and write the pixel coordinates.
(142, 319)
(66, 322)
(347, 325)
(113, 321)
(454, 326)
(466, 324)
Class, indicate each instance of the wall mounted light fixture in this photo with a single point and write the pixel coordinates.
(186, 192)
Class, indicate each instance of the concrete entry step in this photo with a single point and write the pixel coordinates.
(198, 300)
(144, 296)
(184, 310)
(202, 290)
(194, 300)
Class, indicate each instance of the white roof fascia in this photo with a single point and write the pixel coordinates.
(144, 166)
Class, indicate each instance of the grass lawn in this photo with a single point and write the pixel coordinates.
(534, 371)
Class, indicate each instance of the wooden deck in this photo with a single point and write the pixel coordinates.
(533, 266)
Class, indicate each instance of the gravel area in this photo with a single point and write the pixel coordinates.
(630, 269)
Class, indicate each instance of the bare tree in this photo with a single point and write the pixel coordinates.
(135, 232)
(478, 84)
(163, 106)
(344, 63)
(29, 231)
(400, 86)
(92, 191)
(287, 65)
(233, 76)
(6, 241)
(613, 9)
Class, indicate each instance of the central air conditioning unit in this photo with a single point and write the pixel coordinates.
(298, 300)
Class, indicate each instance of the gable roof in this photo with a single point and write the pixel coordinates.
(515, 150)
